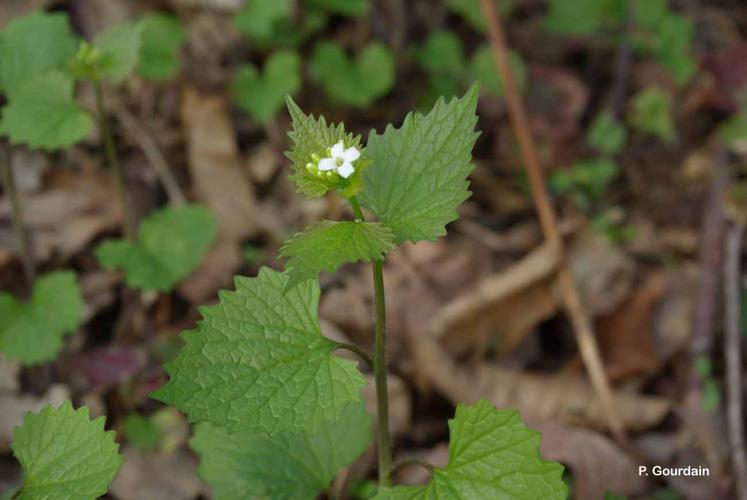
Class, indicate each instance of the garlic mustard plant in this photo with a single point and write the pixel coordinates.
(259, 378)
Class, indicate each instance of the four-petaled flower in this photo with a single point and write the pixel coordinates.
(340, 160)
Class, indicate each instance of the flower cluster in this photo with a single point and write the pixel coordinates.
(339, 162)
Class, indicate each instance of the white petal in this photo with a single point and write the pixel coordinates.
(338, 150)
(327, 164)
(346, 170)
(351, 154)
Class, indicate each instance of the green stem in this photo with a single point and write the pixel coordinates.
(379, 365)
(24, 242)
(111, 158)
(357, 350)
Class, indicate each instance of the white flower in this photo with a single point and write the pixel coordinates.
(341, 160)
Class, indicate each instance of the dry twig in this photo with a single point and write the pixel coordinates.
(733, 355)
(25, 252)
(152, 152)
(548, 221)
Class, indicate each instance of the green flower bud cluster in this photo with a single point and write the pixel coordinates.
(89, 61)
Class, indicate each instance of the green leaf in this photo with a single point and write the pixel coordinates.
(652, 113)
(142, 433)
(262, 95)
(649, 13)
(418, 175)
(65, 455)
(583, 17)
(351, 8)
(43, 114)
(675, 36)
(32, 333)
(328, 245)
(485, 71)
(258, 18)
(711, 395)
(120, 48)
(666, 35)
(161, 38)
(606, 134)
(492, 454)
(171, 243)
(356, 82)
(258, 361)
(442, 53)
(33, 45)
(471, 11)
(283, 466)
(311, 139)
(734, 131)
(586, 181)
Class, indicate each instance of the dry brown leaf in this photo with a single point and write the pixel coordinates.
(9, 370)
(14, 407)
(673, 323)
(226, 6)
(604, 272)
(349, 306)
(216, 166)
(263, 162)
(625, 336)
(63, 219)
(597, 463)
(216, 272)
(221, 184)
(12, 9)
(416, 474)
(564, 398)
(165, 476)
(400, 406)
(510, 302)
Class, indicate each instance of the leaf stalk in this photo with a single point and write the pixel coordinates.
(356, 350)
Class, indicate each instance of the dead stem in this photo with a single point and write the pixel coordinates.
(153, 153)
(25, 253)
(733, 355)
(548, 221)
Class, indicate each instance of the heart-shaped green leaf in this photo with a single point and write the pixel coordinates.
(356, 82)
(262, 95)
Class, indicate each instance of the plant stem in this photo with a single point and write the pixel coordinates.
(382, 393)
(379, 365)
(357, 350)
(24, 242)
(111, 158)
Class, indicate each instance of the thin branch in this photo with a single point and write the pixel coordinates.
(153, 153)
(733, 355)
(710, 254)
(25, 252)
(548, 221)
(622, 63)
